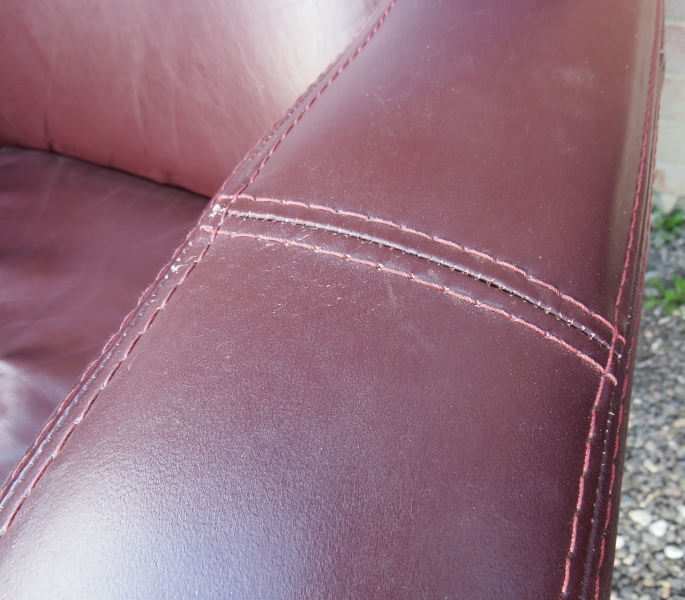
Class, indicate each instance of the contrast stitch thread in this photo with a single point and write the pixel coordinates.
(218, 198)
(443, 242)
(442, 263)
(323, 88)
(424, 282)
(619, 297)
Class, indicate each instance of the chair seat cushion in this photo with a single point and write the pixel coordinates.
(78, 246)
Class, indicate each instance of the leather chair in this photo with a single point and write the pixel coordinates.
(392, 359)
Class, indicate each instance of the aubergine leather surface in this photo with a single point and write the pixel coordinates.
(393, 360)
(78, 245)
(176, 91)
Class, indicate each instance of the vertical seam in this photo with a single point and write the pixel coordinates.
(617, 440)
(619, 296)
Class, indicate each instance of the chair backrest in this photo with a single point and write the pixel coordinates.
(170, 90)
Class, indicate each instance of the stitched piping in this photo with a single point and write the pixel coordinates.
(443, 242)
(64, 407)
(619, 297)
(429, 284)
(443, 263)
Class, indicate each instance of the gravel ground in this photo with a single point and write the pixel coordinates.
(650, 550)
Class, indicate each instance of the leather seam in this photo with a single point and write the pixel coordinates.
(636, 287)
(619, 296)
(321, 91)
(131, 320)
(68, 401)
(423, 282)
(478, 254)
(443, 263)
(293, 109)
(91, 369)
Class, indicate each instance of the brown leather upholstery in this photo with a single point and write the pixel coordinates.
(393, 359)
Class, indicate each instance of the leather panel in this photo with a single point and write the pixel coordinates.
(325, 406)
(176, 92)
(513, 128)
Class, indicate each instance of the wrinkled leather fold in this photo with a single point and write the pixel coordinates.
(394, 357)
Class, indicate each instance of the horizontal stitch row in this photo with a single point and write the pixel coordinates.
(438, 240)
(419, 280)
(443, 263)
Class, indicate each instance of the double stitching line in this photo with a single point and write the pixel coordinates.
(443, 242)
(619, 297)
(444, 263)
(429, 284)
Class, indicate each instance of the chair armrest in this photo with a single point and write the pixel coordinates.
(394, 357)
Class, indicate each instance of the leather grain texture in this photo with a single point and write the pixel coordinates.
(393, 360)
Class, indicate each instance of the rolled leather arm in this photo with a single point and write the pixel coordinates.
(394, 357)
